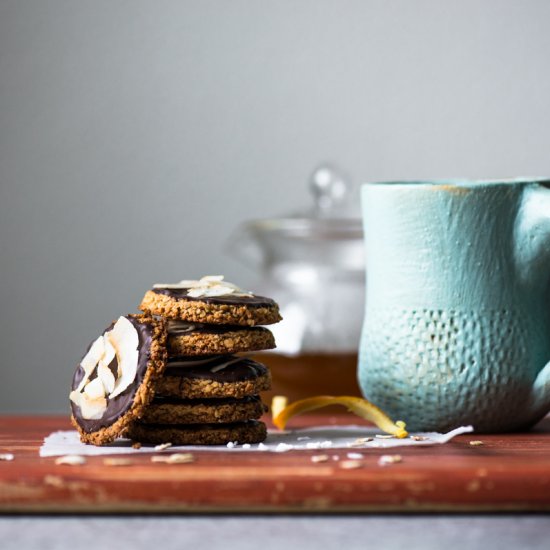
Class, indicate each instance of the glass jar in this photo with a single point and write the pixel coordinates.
(312, 264)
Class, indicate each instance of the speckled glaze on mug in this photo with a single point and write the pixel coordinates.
(457, 318)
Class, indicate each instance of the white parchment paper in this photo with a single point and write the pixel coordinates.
(322, 437)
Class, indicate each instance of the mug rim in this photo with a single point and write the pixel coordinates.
(462, 182)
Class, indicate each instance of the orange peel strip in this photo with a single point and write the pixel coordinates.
(361, 407)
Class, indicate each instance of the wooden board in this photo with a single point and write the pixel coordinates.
(508, 472)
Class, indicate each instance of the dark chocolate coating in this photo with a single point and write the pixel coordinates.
(245, 369)
(117, 406)
(251, 301)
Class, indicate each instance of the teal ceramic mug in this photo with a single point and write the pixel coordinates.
(457, 317)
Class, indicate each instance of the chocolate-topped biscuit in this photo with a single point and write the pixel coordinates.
(221, 376)
(251, 431)
(167, 410)
(199, 339)
(210, 300)
(115, 379)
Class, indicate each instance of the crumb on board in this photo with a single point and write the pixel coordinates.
(360, 442)
(384, 460)
(355, 456)
(175, 458)
(418, 438)
(162, 446)
(319, 458)
(70, 460)
(117, 462)
(351, 464)
(283, 447)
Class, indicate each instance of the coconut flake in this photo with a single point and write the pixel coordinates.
(128, 369)
(162, 446)
(125, 340)
(210, 285)
(213, 279)
(107, 378)
(176, 458)
(92, 409)
(319, 458)
(117, 462)
(70, 460)
(90, 361)
(350, 464)
(94, 389)
(384, 460)
(355, 456)
(212, 291)
(109, 351)
(283, 448)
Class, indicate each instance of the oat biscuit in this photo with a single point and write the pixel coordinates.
(200, 339)
(224, 376)
(252, 431)
(114, 382)
(210, 300)
(202, 411)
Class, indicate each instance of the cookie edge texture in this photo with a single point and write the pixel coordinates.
(207, 388)
(202, 413)
(196, 311)
(253, 431)
(204, 343)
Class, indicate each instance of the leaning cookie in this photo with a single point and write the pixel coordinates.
(199, 339)
(252, 431)
(210, 300)
(114, 382)
(224, 376)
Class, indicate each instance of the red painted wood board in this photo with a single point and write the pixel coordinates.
(508, 472)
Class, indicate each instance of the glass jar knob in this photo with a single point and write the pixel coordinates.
(330, 189)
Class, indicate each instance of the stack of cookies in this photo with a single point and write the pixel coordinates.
(189, 387)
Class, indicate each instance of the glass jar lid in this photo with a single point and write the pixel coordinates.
(333, 216)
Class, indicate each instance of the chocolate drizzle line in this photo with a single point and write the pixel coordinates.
(117, 406)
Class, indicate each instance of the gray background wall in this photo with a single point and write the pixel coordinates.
(134, 136)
